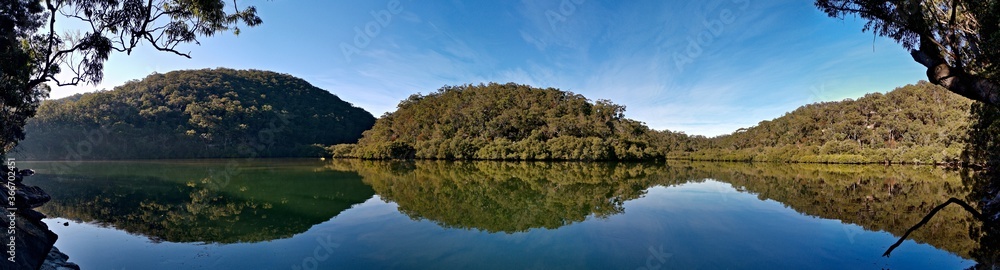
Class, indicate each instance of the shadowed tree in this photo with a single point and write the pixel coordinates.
(33, 53)
(958, 40)
(984, 148)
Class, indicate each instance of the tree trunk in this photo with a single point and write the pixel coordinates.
(956, 80)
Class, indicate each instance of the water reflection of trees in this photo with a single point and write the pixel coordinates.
(983, 149)
(877, 198)
(519, 196)
(186, 203)
(178, 203)
(505, 196)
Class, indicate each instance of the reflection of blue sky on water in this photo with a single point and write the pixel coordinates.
(704, 225)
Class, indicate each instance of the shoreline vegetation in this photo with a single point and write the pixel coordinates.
(225, 113)
(916, 124)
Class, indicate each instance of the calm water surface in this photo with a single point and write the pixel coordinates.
(311, 214)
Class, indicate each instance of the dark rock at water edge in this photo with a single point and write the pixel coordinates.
(27, 197)
(56, 260)
(33, 242)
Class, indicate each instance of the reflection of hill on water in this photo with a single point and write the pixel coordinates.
(505, 196)
(877, 198)
(176, 202)
(519, 196)
(194, 203)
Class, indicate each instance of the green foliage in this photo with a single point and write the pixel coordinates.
(384, 150)
(510, 122)
(341, 150)
(919, 124)
(195, 114)
(18, 100)
(33, 56)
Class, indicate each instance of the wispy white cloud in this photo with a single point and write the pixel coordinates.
(773, 57)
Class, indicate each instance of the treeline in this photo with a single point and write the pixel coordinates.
(217, 113)
(508, 122)
(918, 124)
(209, 113)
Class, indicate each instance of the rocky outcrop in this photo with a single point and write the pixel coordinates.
(27, 241)
(57, 260)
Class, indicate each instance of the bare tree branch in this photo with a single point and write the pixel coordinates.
(966, 206)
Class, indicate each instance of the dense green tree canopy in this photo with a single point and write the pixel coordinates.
(508, 121)
(195, 114)
(921, 123)
(32, 53)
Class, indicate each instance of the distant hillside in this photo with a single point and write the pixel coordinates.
(195, 114)
(920, 123)
(508, 122)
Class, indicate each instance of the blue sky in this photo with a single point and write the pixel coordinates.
(702, 67)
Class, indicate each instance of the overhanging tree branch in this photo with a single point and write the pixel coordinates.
(35, 54)
(944, 37)
(163, 24)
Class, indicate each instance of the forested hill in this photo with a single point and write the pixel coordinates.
(921, 123)
(195, 114)
(508, 122)
(246, 113)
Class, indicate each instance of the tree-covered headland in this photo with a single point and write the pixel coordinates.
(921, 123)
(37, 54)
(508, 122)
(207, 113)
